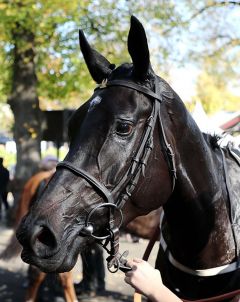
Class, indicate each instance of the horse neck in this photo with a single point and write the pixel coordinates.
(196, 211)
(196, 163)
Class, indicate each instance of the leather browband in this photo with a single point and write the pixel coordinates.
(133, 86)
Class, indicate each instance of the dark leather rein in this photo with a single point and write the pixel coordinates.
(115, 199)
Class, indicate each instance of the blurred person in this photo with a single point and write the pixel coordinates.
(93, 281)
(4, 181)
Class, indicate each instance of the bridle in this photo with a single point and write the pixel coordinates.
(129, 181)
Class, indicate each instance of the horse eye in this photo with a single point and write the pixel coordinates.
(124, 128)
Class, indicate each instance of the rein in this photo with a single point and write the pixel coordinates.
(115, 199)
(217, 298)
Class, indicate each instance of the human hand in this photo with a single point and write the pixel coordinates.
(143, 277)
(147, 281)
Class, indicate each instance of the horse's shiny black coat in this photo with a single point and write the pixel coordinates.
(105, 133)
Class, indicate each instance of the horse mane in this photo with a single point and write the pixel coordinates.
(213, 140)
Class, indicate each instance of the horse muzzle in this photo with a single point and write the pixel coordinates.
(42, 248)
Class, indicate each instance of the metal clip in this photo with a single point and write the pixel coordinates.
(123, 262)
(103, 84)
(119, 263)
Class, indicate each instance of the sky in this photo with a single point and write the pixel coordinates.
(182, 80)
(221, 21)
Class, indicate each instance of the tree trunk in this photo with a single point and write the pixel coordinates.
(25, 106)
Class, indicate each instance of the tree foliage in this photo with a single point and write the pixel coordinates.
(61, 72)
(41, 60)
(211, 29)
(213, 89)
(178, 31)
(204, 32)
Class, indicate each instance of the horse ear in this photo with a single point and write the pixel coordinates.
(98, 66)
(138, 48)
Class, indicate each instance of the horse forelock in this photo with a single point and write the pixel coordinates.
(125, 72)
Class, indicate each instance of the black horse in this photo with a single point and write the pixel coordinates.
(134, 147)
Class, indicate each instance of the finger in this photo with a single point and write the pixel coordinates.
(138, 260)
(128, 273)
(130, 263)
(134, 267)
(127, 280)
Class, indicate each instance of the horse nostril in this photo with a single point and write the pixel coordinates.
(46, 237)
(43, 241)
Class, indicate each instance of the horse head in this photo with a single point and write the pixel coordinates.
(114, 140)
(121, 153)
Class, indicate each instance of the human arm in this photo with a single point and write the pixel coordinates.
(147, 281)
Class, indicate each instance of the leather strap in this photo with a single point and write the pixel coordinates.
(89, 178)
(133, 86)
(218, 298)
(229, 206)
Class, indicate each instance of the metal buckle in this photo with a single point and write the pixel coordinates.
(103, 84)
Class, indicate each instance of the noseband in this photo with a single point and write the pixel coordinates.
(115, 199)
